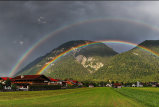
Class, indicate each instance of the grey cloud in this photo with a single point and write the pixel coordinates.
(19, 21)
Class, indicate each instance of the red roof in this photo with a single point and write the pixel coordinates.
(51, 79)
(30, 77)
(71, 82)
(5, 78)
(74, 81)
(117, 84)
(68, 82)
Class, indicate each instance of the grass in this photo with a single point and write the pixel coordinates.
(82, 97)
(147, 96)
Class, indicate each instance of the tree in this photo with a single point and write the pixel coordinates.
(86, 83)
(102, 83)
(8, 82)
(14, 87)
(1, 86)
(112, 82)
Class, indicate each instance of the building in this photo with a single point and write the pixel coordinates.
(71, 83)
(91, 86)
(139, 84)
(153, 84)
(133, 85)
(117, 85)
(67, 83)
(108, 85)
(55, 81)
(23, 81)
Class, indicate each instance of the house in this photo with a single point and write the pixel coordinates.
(80, 84)
(133, 85)
(153, 84)
(117, 85)
(91, 86)
(23, 81)
(108, 85)
(66, 83)
(157, 85)
(55, 81)
(72, 82)
(139, 84)
(52, 80)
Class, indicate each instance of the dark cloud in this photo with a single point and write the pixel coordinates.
(24, 23)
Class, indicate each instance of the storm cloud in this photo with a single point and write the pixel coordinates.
(24, 23)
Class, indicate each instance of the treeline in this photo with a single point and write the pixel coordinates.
(7, 84)
(112, 83)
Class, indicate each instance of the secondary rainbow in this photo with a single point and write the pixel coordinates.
(92, 43)
(66, 27)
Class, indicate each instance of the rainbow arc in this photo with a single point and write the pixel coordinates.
(20, 61)
(46, 66)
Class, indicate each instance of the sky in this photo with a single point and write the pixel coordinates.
(23, 23)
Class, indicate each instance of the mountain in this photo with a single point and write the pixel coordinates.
(99, 62)
(133, 65)
(78, 64)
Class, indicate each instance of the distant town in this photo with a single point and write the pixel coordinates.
(42, 82)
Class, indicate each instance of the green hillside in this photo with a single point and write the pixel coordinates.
(67, 65)
(99, 62)
(134, 65)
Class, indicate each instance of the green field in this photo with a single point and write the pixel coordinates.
(82, 97)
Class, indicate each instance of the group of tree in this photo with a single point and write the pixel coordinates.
(7, 83)
(125, 84)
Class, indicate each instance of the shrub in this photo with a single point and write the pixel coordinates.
(43, 87)
(8, 82)
(1, 87)
(71, 86)
(14, 87)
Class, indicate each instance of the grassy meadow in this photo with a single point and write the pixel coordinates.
(83, 97)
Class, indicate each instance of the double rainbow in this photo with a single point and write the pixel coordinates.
(20, 61)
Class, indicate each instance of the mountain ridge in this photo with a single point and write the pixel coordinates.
(86, 51)
(100, 63)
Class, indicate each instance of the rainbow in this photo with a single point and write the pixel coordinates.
(92, 43)
(65, 27)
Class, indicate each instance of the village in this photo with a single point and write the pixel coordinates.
(42, 82)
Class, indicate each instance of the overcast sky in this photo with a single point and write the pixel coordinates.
(24, 23)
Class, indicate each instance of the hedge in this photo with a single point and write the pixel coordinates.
(43, 87)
